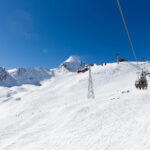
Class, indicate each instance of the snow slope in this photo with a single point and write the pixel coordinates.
(58, 116)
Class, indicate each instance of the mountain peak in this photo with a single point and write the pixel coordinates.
(72, 59)
(73, 64)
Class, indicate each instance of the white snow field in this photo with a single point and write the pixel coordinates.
(56, 114)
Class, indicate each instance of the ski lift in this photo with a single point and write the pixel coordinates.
(142, 83)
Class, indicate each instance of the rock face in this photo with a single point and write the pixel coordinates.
(5, 78)
(3, 74)
(73, 64)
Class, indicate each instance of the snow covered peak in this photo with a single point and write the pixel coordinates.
(73, 63)
(73, 59)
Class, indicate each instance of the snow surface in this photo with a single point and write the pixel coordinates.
(58, 116)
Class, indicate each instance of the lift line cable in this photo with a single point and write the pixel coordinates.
(125, 25)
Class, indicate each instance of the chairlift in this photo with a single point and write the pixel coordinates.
(142, 83)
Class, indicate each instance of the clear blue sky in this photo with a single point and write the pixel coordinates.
(46, 32)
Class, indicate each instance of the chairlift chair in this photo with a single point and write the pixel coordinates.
(142, 83)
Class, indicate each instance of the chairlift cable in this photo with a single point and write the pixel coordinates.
(125, 25)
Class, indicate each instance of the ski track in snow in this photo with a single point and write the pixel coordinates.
(58, 116)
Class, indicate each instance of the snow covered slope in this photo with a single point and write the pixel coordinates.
(58, 116)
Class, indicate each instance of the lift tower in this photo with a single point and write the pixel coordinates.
(91, 94)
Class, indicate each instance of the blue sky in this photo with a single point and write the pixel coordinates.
(46, 32)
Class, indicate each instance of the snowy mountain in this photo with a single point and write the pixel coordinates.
(30, 75)
(73, 64)
(20, 76)
(58, 116)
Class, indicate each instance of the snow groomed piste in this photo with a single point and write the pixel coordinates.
(56, 114)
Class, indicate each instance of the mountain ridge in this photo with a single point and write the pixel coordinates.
(19, 76)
